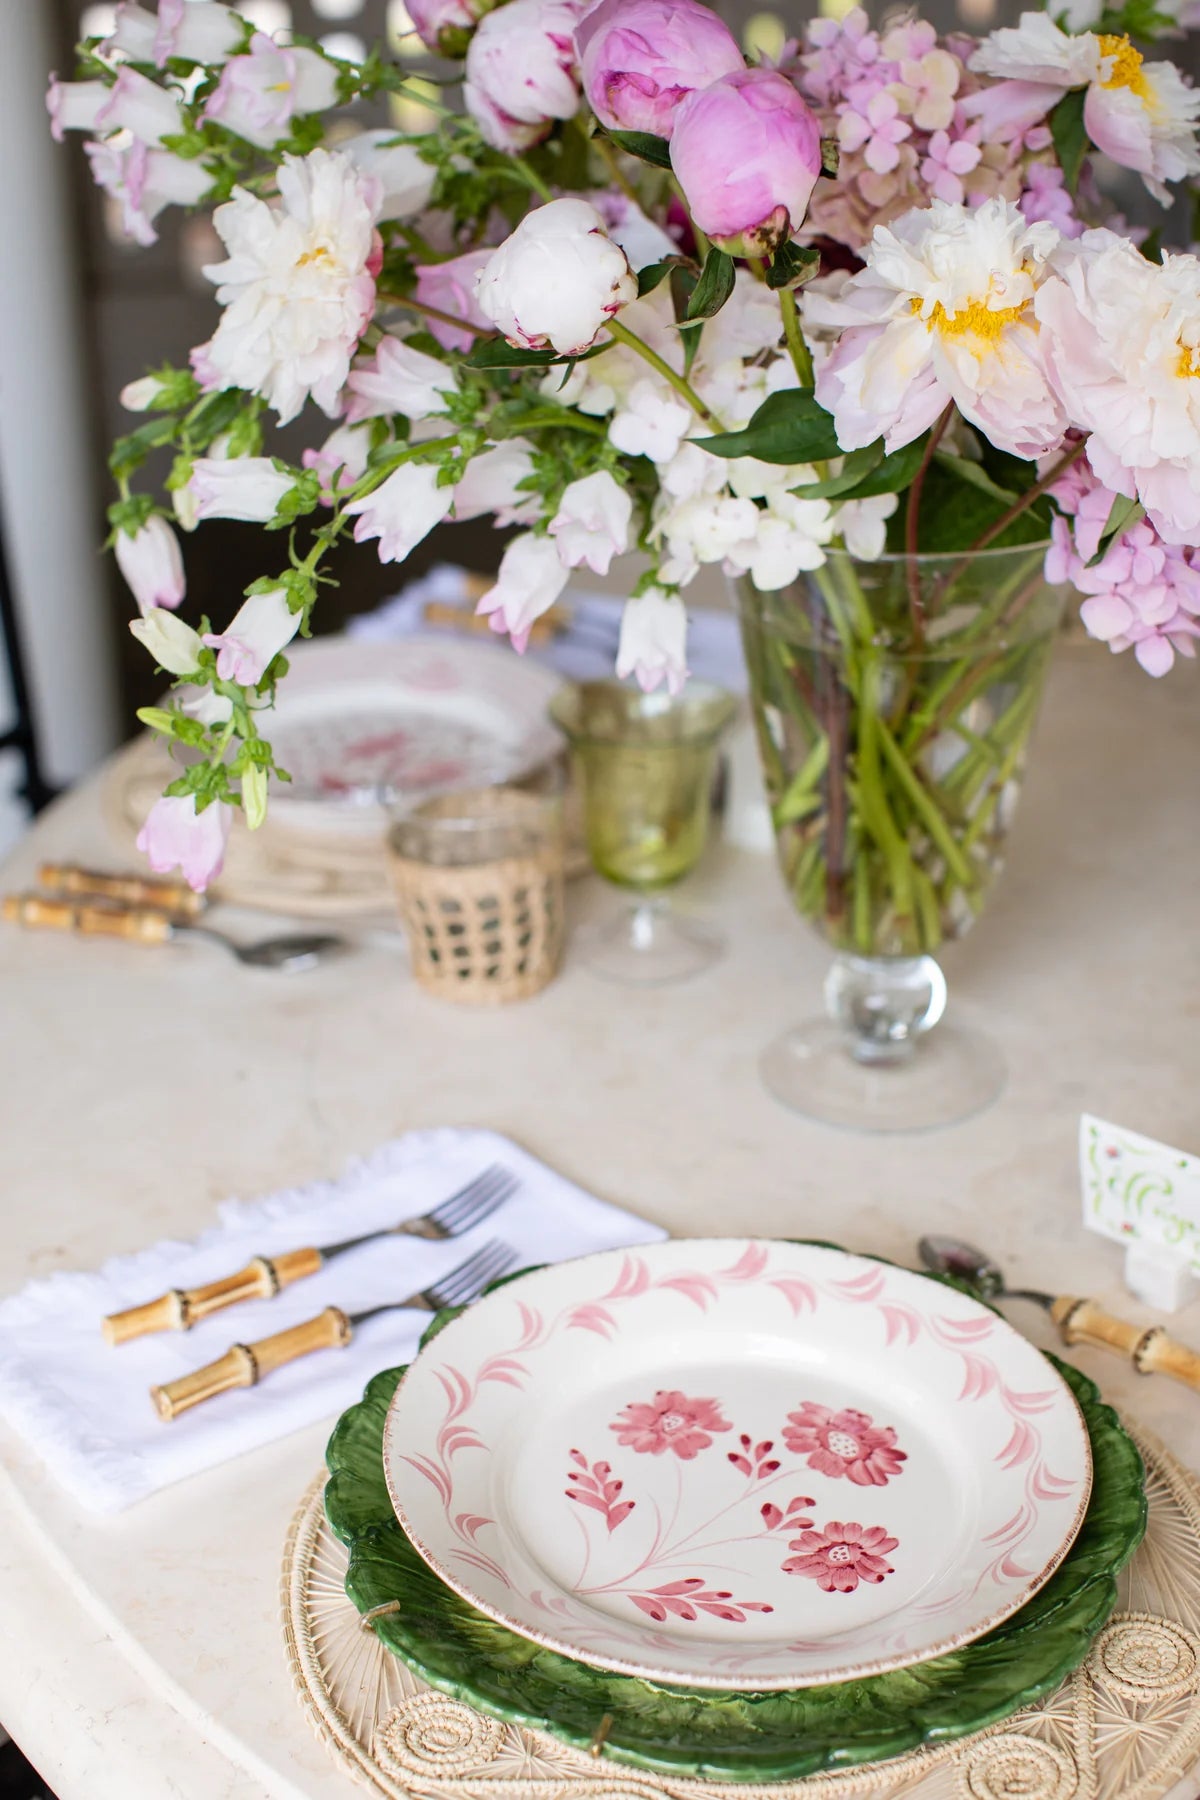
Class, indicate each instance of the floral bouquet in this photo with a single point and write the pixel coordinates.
(859, 307)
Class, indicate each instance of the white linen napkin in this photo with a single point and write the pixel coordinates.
(84, 1406)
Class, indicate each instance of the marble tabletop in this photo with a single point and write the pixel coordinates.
(142, 1655)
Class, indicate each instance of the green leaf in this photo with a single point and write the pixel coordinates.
(964, 468)
(788, 427)
(792, 265)
(645, 146)
(893, 474)
(955, 513)
(495, 353)
(714, 286)
(130, 452)
(654, 273)
(1122, 514)
(855, 468)
(1071, 141)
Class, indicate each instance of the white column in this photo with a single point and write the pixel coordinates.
(52, 533)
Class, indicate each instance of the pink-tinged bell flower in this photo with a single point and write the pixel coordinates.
(298, 288)
(143, 181)
(946, 301)
(492, 483)
(653, 646)
(237, 487)
(1120, 337)
(75, 105)
(406, 180)
(844, 1443)
(173, 645)
(747, 152)
(138, 105)
(196, 31)
(262, 626)
(591, 525)
(639, 58)
(398, 379)
(669, 1422)
(445, 26)
(260, 93)
(530, 580)
(520, 73)
(450, 286)
(557, 278)
(341, 460)
(402, 510)
(839, 1556)
(151, 563)
(175, 835)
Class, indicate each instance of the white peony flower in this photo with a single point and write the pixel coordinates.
(260, 93)
(862, 524)
(530, 580)
(1121, 340)
(262, 626)
(591, 525)
(653, 645)
(144, 180)
(298, 288)
(151, 563)
(74, 105)
(557, 278)
(521, 71)
(404, 176)
(398, 379)
(650, 422)
(237, 487)
(946, 309)
(640, 238)
(1037, 50)
(138, 105)
(747, 324)
(402, 510)
(173, 645)
(492, 481)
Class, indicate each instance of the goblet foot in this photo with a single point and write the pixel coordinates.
(648, 945)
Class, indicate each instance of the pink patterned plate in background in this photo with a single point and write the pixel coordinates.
(735, 1463)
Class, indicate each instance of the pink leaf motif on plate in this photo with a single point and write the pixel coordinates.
(1028, 1403)
(594, 1485)
(633, 1279)
(697, 1288)
(867, 1286)
(593, 1318)
(900, 1322)
(1020, 1446)
(754, 1459)
(669, 1422)
(467, 1524)
(689, 1598)
(1050, 1487)
(844, 1443)
(749, 1265)
(966, 1331)
(797, 1292)
(979, 1377)
(839, 1556)
(776, 1518)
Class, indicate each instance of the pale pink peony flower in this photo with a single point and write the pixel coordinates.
(839, 1556)
(398, 379)
(669, 1422)
(530, 580)
(143, 180)
(846, 1443)
(653, 646)
(446, 25)
(591, 525)
(176, 835)
(557, 278)
(298, 288)
(747, 153)
(450, 286)
(151, 563)
(263, 625)
(402, 510)
(492, 482)
(260, 93)
(239, 487)
(639, 58)
(521, 73)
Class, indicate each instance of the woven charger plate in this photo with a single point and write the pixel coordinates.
(1125, 1726)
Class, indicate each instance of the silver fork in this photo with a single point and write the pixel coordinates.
(264, 1276)
(244, 1365)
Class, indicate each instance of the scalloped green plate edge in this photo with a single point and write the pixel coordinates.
(731, 1737)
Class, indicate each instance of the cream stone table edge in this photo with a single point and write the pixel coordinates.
(142, 1655)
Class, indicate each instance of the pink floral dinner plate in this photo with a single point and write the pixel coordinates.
(737, 1463)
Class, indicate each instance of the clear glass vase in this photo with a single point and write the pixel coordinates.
(894, 702)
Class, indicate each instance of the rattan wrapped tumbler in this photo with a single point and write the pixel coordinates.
(479, 882)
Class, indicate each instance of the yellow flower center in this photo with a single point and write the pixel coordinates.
(319, 254)
(1189, 362)
(973, 320)
(1126, 70)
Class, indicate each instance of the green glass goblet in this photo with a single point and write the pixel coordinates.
(646, 764)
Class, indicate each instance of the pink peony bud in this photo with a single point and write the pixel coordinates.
(521, 73)
(639, 58)
(445, 26)
(747, 151)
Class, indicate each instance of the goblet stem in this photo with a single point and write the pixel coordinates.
(883, 1004)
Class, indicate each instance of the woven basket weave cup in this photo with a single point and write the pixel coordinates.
(479, 881)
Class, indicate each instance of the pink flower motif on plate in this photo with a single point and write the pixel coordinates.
(839, 1556)
(689, 1598)
(669, 1422)
(844, 1443)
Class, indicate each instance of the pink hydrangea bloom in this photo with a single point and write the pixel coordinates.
(844, 1443)
(1047, 197)
(871, 122)
(842, 53)
(669, 1422)
(946, 161)
(838, 1557)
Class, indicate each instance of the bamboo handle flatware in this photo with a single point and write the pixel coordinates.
(265, 1276)
(244, 1365)
(35, 912)
(131, 890)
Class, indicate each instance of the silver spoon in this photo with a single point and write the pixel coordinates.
(293, 953)
(1150, 1350)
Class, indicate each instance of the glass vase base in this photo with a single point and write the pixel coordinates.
(949, 1076)
(649, 946)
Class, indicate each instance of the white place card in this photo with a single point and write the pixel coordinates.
(1145, 1195)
